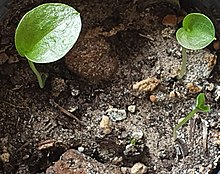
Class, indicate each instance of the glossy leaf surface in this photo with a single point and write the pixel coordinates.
(47, 32)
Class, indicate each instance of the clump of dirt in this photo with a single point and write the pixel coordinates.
(38, 125)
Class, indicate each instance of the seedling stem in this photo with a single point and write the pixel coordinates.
(41, 80)
(200, 107)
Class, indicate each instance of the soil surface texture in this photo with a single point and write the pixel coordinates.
(110, 105)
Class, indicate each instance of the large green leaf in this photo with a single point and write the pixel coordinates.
(197, 32)
(47, 32)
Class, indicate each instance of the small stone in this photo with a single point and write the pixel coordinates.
(217, 93)
(153, 98)
(73, 162)
(169, 20)
(3, 58)
(125, 170)
(5, 157)
(132, 108)
(211, 59)
(81, 149)
(74, 92)
(210, 87)
(116, 114)
(92, 59)
(117, 160)
(172, 94)
(138, 168)
(106, 125)
(146, 85)
(216, 44)
(193, 88)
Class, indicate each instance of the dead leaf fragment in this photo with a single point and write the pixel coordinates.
(147, 85)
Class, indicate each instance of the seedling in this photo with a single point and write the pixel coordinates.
(46, 33)
(197, 32)
(200, 107)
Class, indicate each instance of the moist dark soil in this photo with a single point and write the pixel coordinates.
(131, 80)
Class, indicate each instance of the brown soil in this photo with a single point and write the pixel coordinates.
(38, 125)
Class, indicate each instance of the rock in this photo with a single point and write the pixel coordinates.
(106, 125)
(216, 44)
(153, 98)
(116, 114)
(193, 88)
(75, 92)
(146, 85)
(3, 58)
(91, 59)
(132, 108)
(138, 168)
(73, 162)
(80, 149)
(170, 20)
(172, 94)
(5, 157)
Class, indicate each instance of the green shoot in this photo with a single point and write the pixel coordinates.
(197, 32)
(200, 107)
(46, 33)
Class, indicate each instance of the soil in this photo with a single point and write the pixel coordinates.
(121, 113)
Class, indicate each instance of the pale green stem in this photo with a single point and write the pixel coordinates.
(183, 121)
(41, 81)
(183, 66)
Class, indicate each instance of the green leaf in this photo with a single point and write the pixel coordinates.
(47, 32)
(200, 103)
(197, 32)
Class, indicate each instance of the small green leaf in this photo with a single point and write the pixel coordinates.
(197, 32)
(200, 103)
(47, 32)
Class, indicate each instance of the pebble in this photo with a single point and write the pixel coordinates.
(193, 88)
(74, 92)
(170, 20)
(116, 114)
(146, 85)
(153, 98)
(106, 125)
(138, 168)
(5, 157)
(77, 163)
(216, 44)
(132, 108)
(217, 93)
(3, 58)
(172, 94)
(81, 149)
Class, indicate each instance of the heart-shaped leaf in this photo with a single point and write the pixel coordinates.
(47, 32)
(197, 32)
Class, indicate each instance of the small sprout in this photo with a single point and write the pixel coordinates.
(133, 141)
(46, 33)
(197, 32)
(200, 107)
